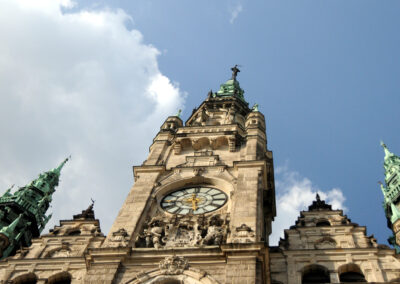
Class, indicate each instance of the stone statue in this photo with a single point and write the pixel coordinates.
(229, 116)
(154, 234)
(215, 232)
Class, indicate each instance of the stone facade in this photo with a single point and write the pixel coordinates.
(325, 243)
(221, 148)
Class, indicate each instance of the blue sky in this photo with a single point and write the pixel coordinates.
(324, 73)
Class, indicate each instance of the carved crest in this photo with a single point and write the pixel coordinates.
(173, 265)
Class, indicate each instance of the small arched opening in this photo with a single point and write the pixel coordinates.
(60, 278)
(74, 233)
(323, 223)
(349, 273)
(28, 278)
(315, 274)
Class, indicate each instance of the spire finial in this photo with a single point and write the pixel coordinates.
(58, 169)
(255, 107)
(235, 71)
(385, 148)
(317, 197)
(178, 114)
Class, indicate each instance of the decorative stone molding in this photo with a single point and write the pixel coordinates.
(232, 144)
(177, 147)
(198, 171)
(325, 243)
(243, 234)
(119, 238)
(173, 265)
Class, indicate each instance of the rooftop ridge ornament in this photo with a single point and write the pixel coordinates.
(319, 204)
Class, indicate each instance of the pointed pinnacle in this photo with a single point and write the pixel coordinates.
(11, 228)
(58, 169)
(387, 152)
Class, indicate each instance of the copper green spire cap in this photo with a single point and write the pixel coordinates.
(232, 88)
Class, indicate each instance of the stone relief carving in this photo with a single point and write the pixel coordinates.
(63, 251)
(243, 234)
(215, 232)
(325, 243)
(173, 265)
(201, 118)
(184, 231)
(229, 116)
(119, 238)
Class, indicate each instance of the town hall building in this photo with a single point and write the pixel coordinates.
(199, 212)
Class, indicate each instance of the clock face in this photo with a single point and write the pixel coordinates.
(194, 200)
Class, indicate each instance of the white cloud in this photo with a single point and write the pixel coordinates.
(295, 193)
(235, 11)
(77, 83)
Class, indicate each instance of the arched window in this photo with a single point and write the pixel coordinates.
(29, 278)
(322, 223)
(60, 278)
(350, 273)
(315, 274)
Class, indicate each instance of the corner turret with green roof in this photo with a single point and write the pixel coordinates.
(23, 213)
(391, 193)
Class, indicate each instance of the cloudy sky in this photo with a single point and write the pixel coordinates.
(95, 79)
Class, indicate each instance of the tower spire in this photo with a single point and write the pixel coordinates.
(34, 200)
(390, 191)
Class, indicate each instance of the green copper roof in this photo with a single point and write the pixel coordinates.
(32, 200)
(231, 88)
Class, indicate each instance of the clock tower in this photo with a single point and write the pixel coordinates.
(201, 207)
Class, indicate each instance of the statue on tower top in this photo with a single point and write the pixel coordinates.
(235, 71)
